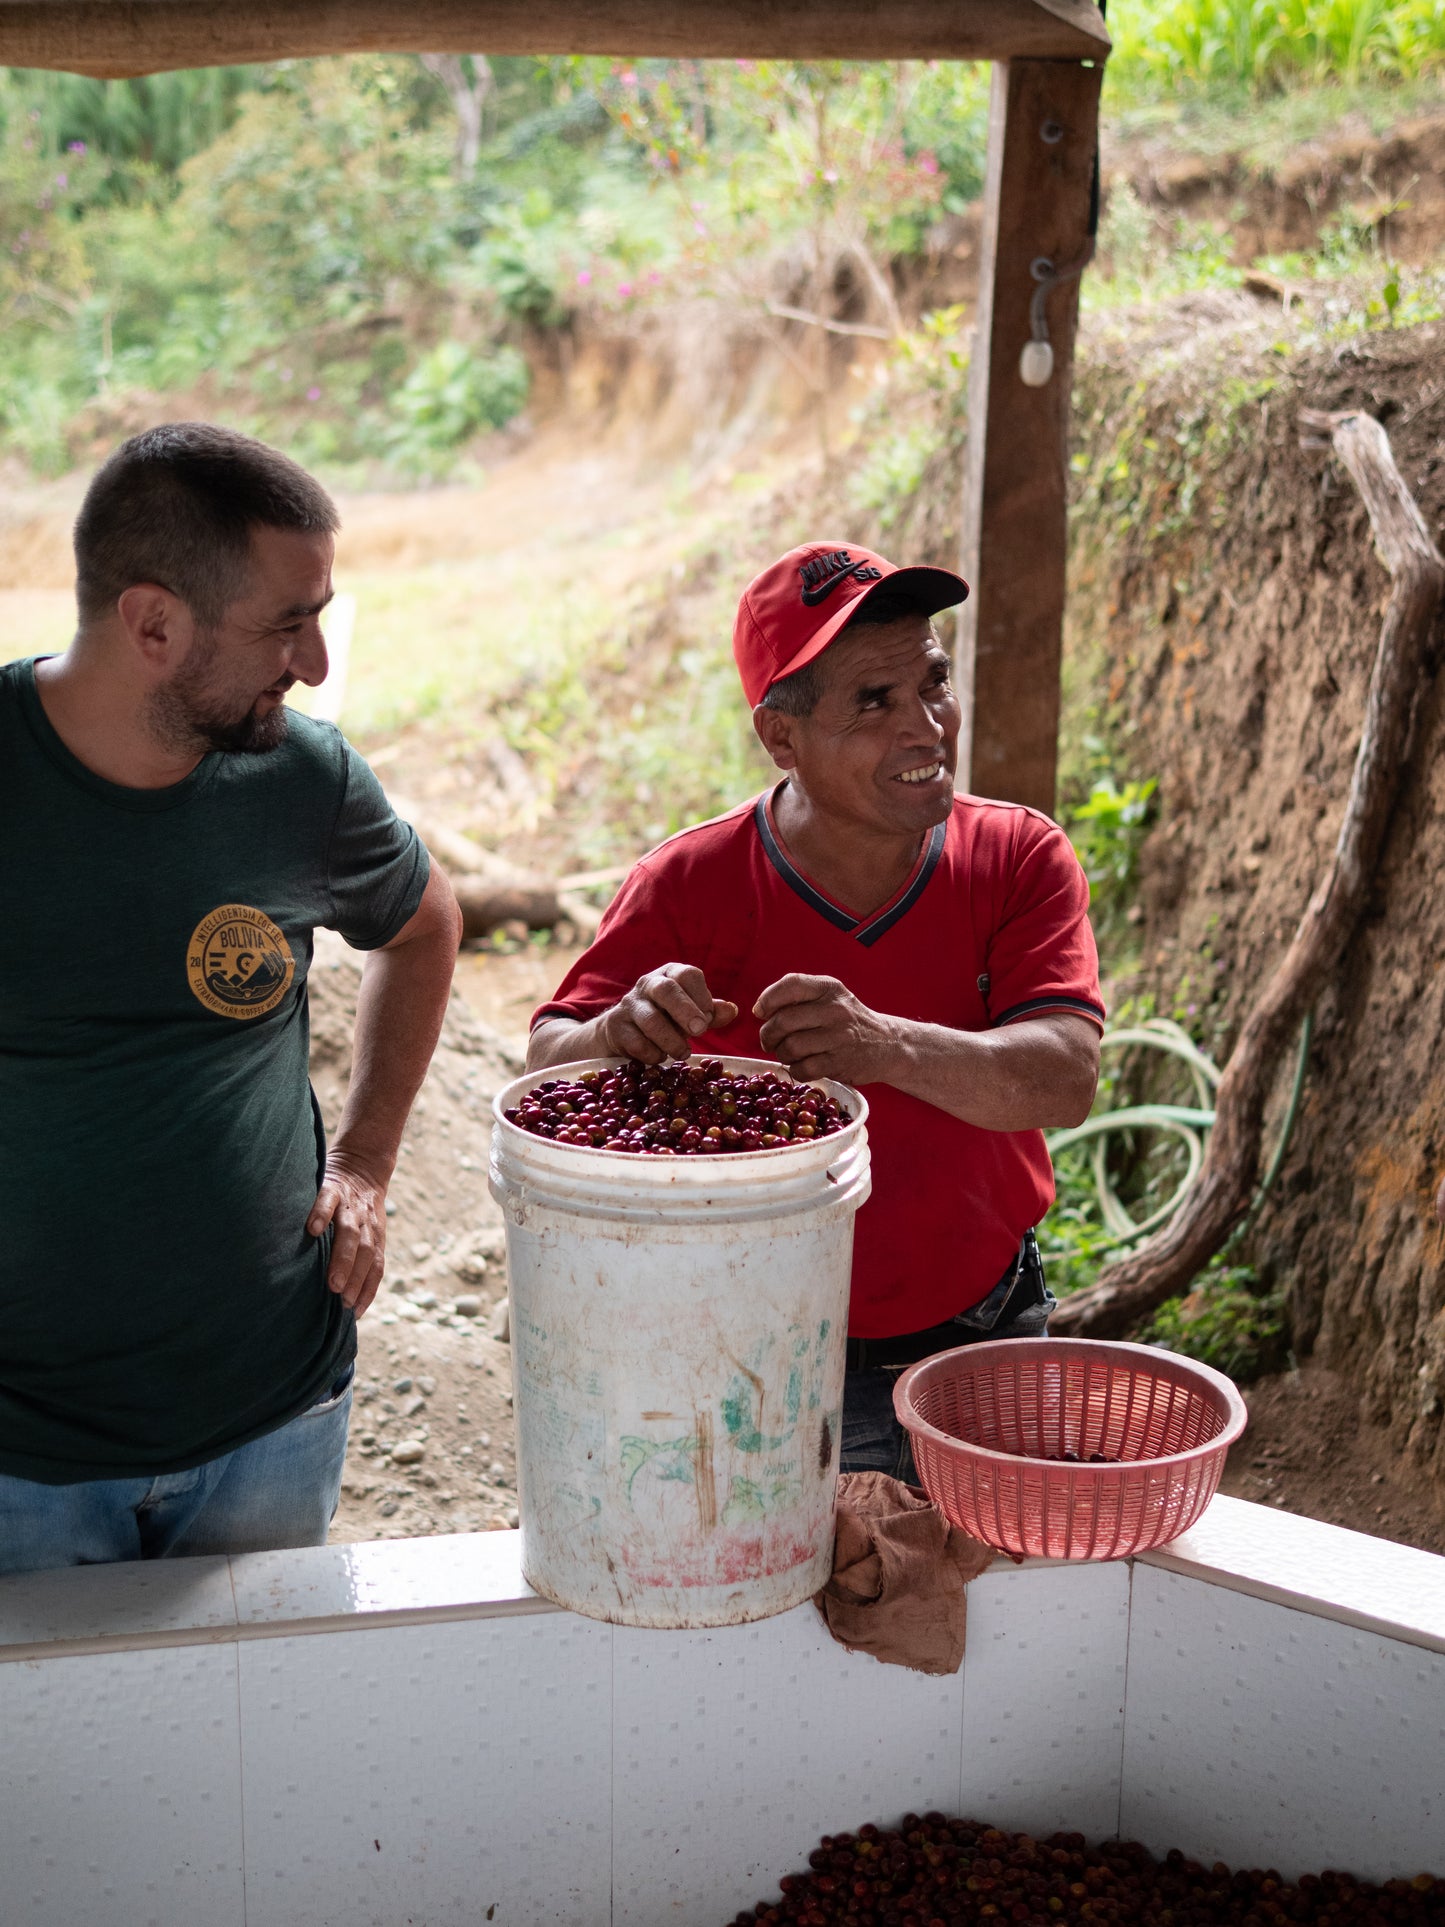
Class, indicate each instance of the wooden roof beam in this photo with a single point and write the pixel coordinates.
(116, 39)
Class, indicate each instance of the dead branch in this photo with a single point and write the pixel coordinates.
(783, 311)
(469, 93)
(486, 905)
(1226, 1184)
(492, 891)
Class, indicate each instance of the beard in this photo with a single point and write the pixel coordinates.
(194, 712)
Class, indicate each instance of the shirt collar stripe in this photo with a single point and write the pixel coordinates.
(866, 933)
(795, 879)
(1051, 1003)
(871, 932)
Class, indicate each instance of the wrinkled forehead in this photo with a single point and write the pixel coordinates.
(881, 652)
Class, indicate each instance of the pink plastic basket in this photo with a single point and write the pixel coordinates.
(990, 1424)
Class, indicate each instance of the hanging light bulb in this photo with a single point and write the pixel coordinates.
(1036, 364)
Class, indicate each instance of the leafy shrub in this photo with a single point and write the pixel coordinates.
(1108, 832)
(450, 394)
(518, 261)
(1226, 1321)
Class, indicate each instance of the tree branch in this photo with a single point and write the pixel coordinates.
(1166, 1264)
(785, 313)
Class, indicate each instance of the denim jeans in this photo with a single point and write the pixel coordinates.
(873, 1440)
(280, 1490)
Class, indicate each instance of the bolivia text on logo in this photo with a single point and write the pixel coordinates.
(238, 963)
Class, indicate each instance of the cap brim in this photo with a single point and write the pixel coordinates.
(933, 589)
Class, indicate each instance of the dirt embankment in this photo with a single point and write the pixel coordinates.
(1389, 185)
(1227, 603)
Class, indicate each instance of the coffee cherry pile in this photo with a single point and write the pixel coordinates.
(695, 1109)
(935, 1872)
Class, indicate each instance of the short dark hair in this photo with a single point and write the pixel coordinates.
(177, 505)
(798, 694)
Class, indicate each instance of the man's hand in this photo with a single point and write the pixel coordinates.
(354, 1203)
(399, 1010)
(818, 1028)
(662, 1014)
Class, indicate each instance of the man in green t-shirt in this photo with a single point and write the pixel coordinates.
(182, 1260)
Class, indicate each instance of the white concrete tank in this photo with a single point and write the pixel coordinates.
(678, 1335)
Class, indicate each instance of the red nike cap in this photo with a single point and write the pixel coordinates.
(791, 612)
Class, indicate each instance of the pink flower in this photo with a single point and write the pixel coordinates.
(927, 164)
(313, 394)
(62, 180)
(584, 278)
(628, 78)
(76, 147)
(654, 277)
(624, 288)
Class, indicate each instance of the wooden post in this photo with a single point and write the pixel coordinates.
(1043, 135)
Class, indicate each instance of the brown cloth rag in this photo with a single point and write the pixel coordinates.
(899, 1573)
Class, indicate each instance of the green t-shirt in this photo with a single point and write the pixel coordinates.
(160, 1146)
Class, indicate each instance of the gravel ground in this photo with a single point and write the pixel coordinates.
(431, 1445)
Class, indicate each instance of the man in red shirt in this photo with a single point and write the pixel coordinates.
(862, 921)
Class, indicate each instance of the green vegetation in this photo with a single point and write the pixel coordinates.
(1270, 44)
(357, 256)
(1228, 1320)
(1107, 832)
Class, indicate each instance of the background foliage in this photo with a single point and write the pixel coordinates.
(337, 252)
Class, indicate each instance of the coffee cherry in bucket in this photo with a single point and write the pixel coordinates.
(695, 1109)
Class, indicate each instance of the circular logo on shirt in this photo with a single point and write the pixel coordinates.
(238, 963)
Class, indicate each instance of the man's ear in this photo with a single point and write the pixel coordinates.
(776, 731)
(158, 626)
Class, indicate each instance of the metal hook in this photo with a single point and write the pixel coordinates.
(1036, 363)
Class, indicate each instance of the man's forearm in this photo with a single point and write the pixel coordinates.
(1037, 1075)
(562, 1040)
(399, 1013)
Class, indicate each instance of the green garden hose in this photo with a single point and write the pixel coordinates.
(1190, 1124)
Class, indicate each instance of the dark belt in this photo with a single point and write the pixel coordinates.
(1020, 1286)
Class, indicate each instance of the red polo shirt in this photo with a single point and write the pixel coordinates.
(991, 927)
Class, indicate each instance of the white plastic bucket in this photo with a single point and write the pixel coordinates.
(678, 1343)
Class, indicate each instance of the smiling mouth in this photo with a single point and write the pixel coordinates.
(925, 773)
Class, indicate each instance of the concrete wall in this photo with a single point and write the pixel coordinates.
(402, 1733)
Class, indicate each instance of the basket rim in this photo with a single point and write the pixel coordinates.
(1184, 1368)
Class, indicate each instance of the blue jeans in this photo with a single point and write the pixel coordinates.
(280, 1490)
(873, 1440)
